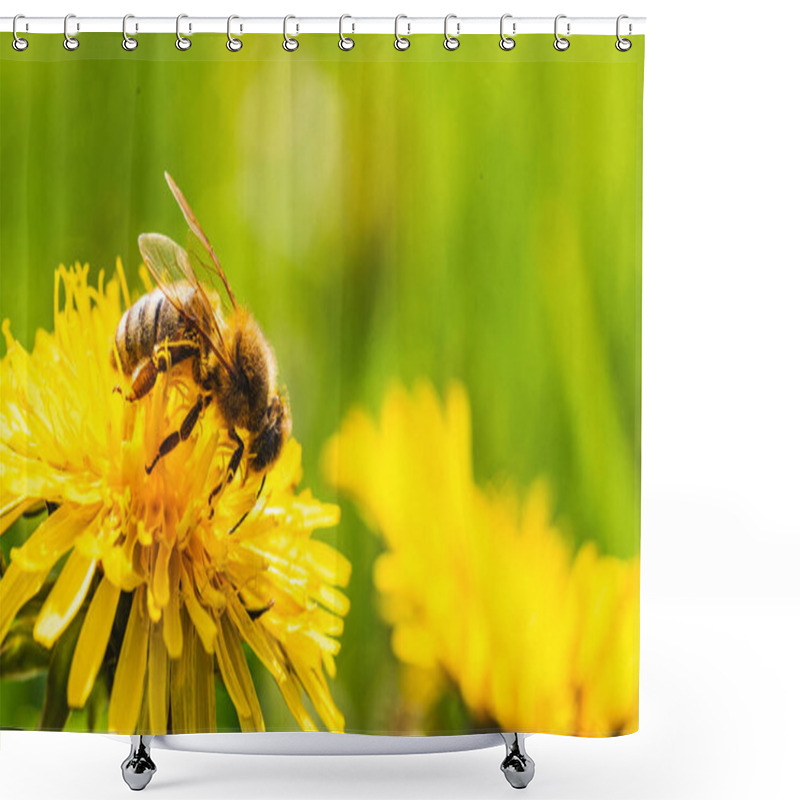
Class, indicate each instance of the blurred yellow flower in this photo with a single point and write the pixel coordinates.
(480, 587)
(196, 592)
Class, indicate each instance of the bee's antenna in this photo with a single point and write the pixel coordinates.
(244, 516)
(260, 488)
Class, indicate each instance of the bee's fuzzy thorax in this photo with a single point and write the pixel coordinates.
(252, 383)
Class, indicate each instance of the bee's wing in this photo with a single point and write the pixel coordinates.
(199, 262)
(170, 266)
(198, 242)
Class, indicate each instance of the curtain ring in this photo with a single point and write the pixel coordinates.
(128, 42)
(19, 44)
(450, 42)
(70, 42)
(290, 44)
(507, 42)
(181, 42)
(233, 44)
(345, 42)
(561, 44)
(623, 45)
(401, 42)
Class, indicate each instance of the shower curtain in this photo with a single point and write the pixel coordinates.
(320, 385)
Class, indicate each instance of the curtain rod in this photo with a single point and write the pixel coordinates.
(407, 26)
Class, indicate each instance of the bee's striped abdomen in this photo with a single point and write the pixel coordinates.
(151, 320)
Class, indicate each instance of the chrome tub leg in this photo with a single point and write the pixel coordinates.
(138, 768)
(517, 766)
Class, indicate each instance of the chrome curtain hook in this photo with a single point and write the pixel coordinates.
(181, 41)
(233, 44)
(345, 42)
(401, 42)
(70, 42)
(19, 44)
(450, 42)
(507, 42)
(128, 42)
(561, 44)
(623, 45)
(290, 44)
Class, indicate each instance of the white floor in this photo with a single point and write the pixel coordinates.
(720, 703)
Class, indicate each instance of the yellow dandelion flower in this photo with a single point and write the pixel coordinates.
(481, 587)
(124, 539)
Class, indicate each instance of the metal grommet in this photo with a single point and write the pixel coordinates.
(233, 44)
(623, 45)
(70, 42)
(561, 44)
(401, 42)
(290, 44)
(181, 41)
(507, 42)
(18, 43)
(128, 42)
(345, 42)
(451, 42)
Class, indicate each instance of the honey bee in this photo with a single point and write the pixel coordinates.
(232, 363)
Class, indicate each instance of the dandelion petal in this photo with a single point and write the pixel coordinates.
(128, 689)
(92, 643)
(157, 681)
(16, 588)
(65, 599)
(237, 678)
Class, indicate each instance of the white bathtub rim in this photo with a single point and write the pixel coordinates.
(322, 743)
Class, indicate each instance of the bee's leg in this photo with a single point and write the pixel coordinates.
(189, 421)
(233, 465)
(143, 380)
(164, 356)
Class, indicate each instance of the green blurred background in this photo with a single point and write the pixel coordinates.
(471, 215)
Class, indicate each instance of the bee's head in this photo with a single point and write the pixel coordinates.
(267, 444)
